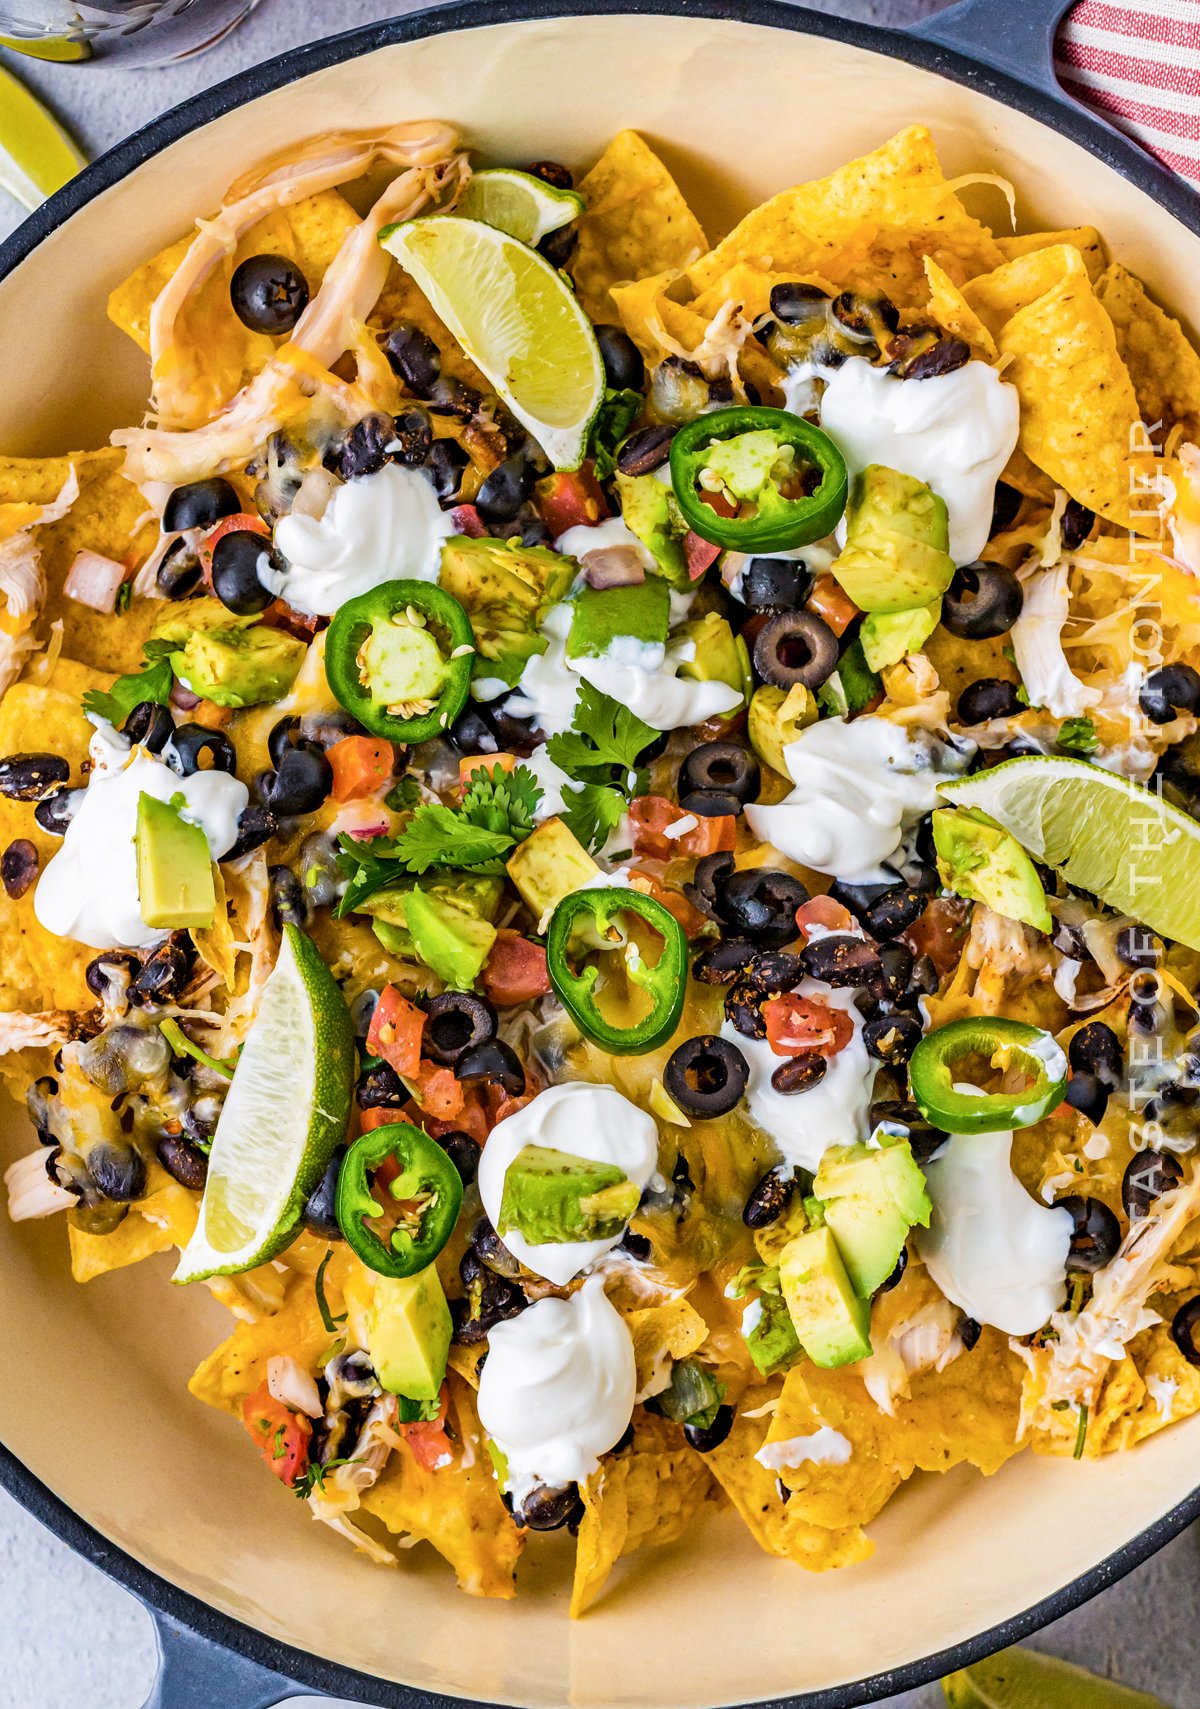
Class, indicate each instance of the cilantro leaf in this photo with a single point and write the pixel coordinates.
(604, 734)
(438, 836)
(369, 866)
(1078, 736)
(592, 813)
(612, 422)
(154, 682)
(502, 800)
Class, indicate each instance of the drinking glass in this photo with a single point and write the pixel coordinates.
(122, 32)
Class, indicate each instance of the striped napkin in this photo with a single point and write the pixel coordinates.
(1137, 63)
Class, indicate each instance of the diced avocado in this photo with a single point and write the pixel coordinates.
(982, 861)
(886, 636)
(549, 865)
(408, 1332)
(897, 542)
(714, 653)
(553, 1196)
(852, 687)
(650, 512)
(175, 881)
(600, 615)
(832, 1323)
(506, 591)
(452, 943)
(777, 717)
(230, 660)
(771, 1338)
(473, 894)
(400, 662)
(870, 1197)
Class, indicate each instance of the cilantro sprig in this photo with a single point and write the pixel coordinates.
(600, 754)
(1078, 736)
(614, 418)
(154, 682)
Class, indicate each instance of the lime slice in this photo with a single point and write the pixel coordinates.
(1022, 1679)
(1114, 838)
(516, 318)
(285, 1111)
(37, 157)
(518, 203)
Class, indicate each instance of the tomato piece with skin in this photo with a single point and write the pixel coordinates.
(241, 522)
(441, 1093)
(362, 765)
(280, 1434)
(823, 911)
(515, 971)
(427, 1440)
(569, 499)
(805, 1026)
(833, 605)
(674, 901)
(395, 1032)
(699, 554)
(651, 816)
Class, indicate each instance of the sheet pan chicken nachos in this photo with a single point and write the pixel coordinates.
(598, 830)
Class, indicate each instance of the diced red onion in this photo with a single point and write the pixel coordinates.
(468, 521)
(93, 580)
(613, 566)
(182, 699)
(364, 833)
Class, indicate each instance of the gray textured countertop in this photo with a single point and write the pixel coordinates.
(71, 1640)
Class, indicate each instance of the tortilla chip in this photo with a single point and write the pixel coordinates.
(636, 223)
(867, 226)
(1151, 1387)
(954, 314)
(750, 286)
(1162, 362)
(239, 1365)
(457, 1508)
(754, 1491)
(648, 1493)
(163, 1220)
(662, 1333)
(833, 1495)
(1085, 238)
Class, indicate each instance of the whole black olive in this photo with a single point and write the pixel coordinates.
(1089, 1096)
(705, 1437)
(775, 584)
(184, 1162)
(546, 1509)
(149, 724)
(990, 697)
(301, 784)
(255, 827)
(775, 971)
(623, 366)
(496, 1063)
(1137, 946)
(18, 867)
(32, 777)
(55, 811)
(769, 1199)
(456, 1021)
(892, 1038)
(1185, 1330)
(721, 963)
(463, 1152)
(235, 571)
(413, 357)
(446, 463)
(897, 1115)
(724, 767)
(1095, 1237)
(191, 744)
(841, 960)
(795, 303)
(743, 1008)
(799, 1073)
(268, 293)
(646, 450)
(119, 1171)
(165, 971)
(1076, 524)
(795, 647)
(761, 904)
(706, 1076)
(1170, 691)
(288, 902)
(1147, 1177)
(894, 911)
(319, 1215)
(179, 574)
(983, 600)
(1096, 1049)
(412, 440)
(505, 490)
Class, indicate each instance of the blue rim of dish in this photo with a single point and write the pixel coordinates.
(1056, 111)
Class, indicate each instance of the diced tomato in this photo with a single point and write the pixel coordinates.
(467, 520)
(940, 933)
(441, 1093)
(300, 625)
(717, 502)
(395, 1032)
(472, 1118)
(571, 500)
(651, 816)
(715, 833)
(515, 971)
(804, 1026)
(824, 911)
(700, 553)
(501, 1105)
(674, 901)
(471, 763)
(242, 522)
(829, 602)
(281, 1434)
(361, 766)
(427, 1440)
(210, 715)
(375, 1117)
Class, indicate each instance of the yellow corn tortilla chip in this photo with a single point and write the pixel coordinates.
(954, 314)
(832, 1495)
(662, 1333)
(867, 226)
(1161, 359)
(457, 1508)
(750, 286)
(637, 223)
(646, 1494)
(239, 1365)
(214, 944)
(1085, 238)
(164, 1219)
(1151, 1387)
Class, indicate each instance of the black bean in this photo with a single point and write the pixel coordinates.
(1096, 1049)
(895, 971)
(893, 912)
(721, 963)
(897, 1274)
(301, 784)
(381, 1088)
(256, 826)
(923, 1138)
(268, 293)
(982, 601)
(1170, 691)
(1185, 1330)
(799, 1073)
(1137, 946)
(623, 366)
(969, 1332)
(558, 246)
(646, 450)
(32, 777)
(552, 173)
(719, 766)
(743, 1008)
(1089, 1096)
(841, 960)
(857, 898)
(119, 1171)
(1147, 1177)
(761, 903)
(989, 697)
(795, 647)
(456, 1022)
(454, 397)
(184, 1162)
(18, 867)
(705, 1437)
(943, 356)
(165, 971)
(496, 1063)
(1095, 1237)
(706, 1076)
(892, 1038)
(865, 318)
(546, 1509)
(412, 439)
(505, 490)
(492, 1252)
(56, 810)
(776, 971)
(289, 904)
(413, 357)
(636, 1245)
(795, 303)
(193, 743)
(492, 1300)
(769, 1199)
(447, 461)
(1076, 524)
(463, 1152)
(1005, 506)
(775, 584)
(108, 977)
(319, 1215)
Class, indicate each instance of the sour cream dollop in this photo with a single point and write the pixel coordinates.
(89, 890)
(641, 675)
(381, 528)
(596, 1122)
(990, 1246)
(836, 1111)
(954, 432)
(557, 1389)
(858, 786)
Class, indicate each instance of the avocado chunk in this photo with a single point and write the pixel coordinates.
(400, 662)
(650, 511)
(175, 881)
(871, 1195)
(408, 1331)
(230, 660)
(832, 1323)
(554, 1196)
(771, 1335)
(601, 615)
(506, 590)
(979, 859)
(852, 687)
(711, 652)
(452, 943)
(897, 552)
(777, 716)
(549, 865)
(887, 636)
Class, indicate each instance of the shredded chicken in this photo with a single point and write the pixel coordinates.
(31, 1192)
(340, 1491)
(1038, 647)
(718, 351)
(23, 584)
(258, 941)
(19, 1031)
(926, 1341)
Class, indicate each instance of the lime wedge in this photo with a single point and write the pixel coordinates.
(518, 203)
(1022, 1679)
(516, 318)
(1114, 838)
(37, 157)
(285, 1111)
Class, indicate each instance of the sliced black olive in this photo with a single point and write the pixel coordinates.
(722, 767)
(463, 1152)
(743, 1008)
(721, 963)
(623, 366)
(841, 960)
(150, 724)
(646, 450)
(1095, 1237)
(982, 601)
(795, 303)
(857, 898)
(412, 439)
(288, 901)
(192, 743)
(711, 803)
(705, 1437)
(256, 826)
(1089, 1096)
(775, 584)
(892, 1038)
(56, 810)
(446, 462)
(119, 1171)
(235, 565)
(1147, 1177)
(923, 1138)
(1137, 946)
(1170, 691)
(199, 504)
(1096, 1049)
(495, 1062)
(1185, 1330)
(18, 867)
(301, 783)
(706, 1076)
(799, 1073)
(268, 293)
(32, 777)
(456, 1021)
(894, 911)
(183, 1161)
(795, 647)
(505, 490)
(769, 1199)
(897, 1274)
(283, 736)
(776, 971)
(319, 1214)
(413, 357)
(705, 891)
(761, 904)
(1076, 524)
(546, 1509)
(989, 697)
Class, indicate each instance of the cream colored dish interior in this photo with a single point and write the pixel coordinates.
(738, 111)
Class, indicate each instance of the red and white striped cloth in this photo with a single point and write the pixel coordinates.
(1137, 63)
